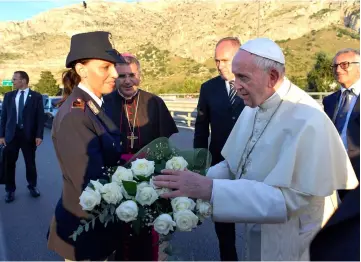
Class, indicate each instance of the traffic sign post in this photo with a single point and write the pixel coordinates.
(7, 83)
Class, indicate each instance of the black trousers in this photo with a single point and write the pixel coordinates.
(28, 149)
(226, 233)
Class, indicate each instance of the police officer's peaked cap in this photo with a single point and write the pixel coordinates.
(92, 45)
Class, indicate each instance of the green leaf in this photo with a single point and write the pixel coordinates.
(79, 230)
(101, 218)
(141, 212)
(74, 236)
(168, 250)
(83, 221)
(106, 223)
(93, 223)
(86, 227)
(159, 167)
(143, 178)
(96, 212)
(130, 187)
(103, 181)
(112, 210)
(166, 237)
(136, 225)
(91, 186)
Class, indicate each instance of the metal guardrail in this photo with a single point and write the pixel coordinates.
(183, 107)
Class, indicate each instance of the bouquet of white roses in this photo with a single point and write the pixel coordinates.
(131, 196)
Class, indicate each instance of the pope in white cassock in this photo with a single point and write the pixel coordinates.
(284, 161)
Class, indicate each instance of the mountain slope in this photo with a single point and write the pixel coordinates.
(181, 34)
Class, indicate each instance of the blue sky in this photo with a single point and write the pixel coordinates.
(18, 10)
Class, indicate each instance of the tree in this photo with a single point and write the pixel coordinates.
(320, 78)
(47, 84)
(5, 89)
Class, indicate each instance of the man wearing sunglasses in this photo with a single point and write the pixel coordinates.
(343, 106)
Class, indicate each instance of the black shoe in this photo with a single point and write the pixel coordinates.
(34, 192)
(10, 197)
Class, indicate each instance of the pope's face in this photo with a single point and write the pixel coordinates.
(128, 80)
(251, 82)
(98, 75)
(348, 71)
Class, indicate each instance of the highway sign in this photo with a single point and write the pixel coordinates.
(7, 83)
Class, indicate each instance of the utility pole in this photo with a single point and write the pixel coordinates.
(85, 6)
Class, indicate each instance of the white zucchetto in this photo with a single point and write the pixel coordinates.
(266, 48)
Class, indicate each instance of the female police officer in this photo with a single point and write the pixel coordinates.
(86, 142)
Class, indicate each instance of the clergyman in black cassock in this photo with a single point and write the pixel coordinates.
(141, 118)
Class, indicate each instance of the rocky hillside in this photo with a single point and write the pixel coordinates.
(180, 34)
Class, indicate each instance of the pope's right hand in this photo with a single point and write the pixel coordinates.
(2, 141)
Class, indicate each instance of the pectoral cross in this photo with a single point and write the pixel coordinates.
(132, 138)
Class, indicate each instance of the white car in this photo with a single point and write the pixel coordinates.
(50, 108)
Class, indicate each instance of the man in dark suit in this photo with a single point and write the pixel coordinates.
(219, 107)
(343, 106)
(21, 127)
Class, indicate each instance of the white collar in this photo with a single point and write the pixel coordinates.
(355, 87)
(98, 100)
(26, 91)
(128, 98)
(277, 96)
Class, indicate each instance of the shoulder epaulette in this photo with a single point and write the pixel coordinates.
(92, 107)
(79, 103)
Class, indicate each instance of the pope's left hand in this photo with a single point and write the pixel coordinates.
(185, 183)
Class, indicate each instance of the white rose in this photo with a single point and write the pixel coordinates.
(97, 185)
(146, 195)
(176, 163)
(142, 185)
(122, 174)
(159, 190)
(151, 183)
(89, 198)
(182, 203)
(143, 167)
(163, 224)
(204, 208)
(163, 190)
(111, 193)
(127, 211)
(185, 220)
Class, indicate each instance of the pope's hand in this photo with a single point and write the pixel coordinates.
(185, 183)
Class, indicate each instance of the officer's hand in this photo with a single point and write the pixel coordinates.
(2, 141)
(38, 141)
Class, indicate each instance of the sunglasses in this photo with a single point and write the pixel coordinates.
(343, 65)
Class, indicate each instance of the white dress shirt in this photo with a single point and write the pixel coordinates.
(17, 98)
(355, 88)
(98, 100)
(228, 87)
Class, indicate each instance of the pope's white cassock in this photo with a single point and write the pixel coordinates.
(293, 160)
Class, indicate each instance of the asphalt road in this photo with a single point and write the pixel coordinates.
(24, 223)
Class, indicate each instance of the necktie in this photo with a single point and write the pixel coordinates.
(343, 110)
(21, 108)
(232, 92)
